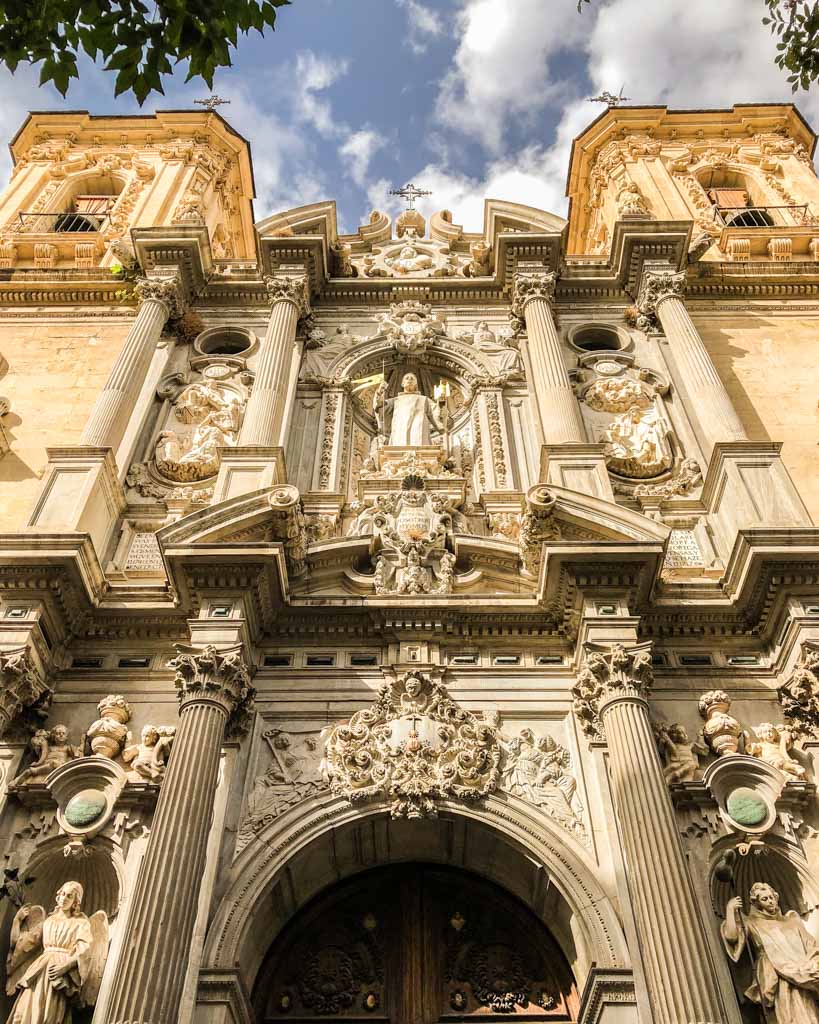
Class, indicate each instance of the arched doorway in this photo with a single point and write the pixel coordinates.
(414, 944)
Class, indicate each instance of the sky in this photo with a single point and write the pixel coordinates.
(471, 99)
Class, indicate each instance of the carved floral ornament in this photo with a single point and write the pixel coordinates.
(413, 746)
(655, 287)
(528, 286)
(799, 694)
(167, 290)
(608, 674)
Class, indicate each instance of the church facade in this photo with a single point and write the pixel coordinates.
(415, 624)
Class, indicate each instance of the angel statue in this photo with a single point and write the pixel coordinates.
(55, 963)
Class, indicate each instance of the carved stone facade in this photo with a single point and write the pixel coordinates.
(415, 623)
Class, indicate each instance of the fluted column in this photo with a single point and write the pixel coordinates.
(215, 693)
(610, 699)
(555, 401)
(266, 417)
(159, 299)
(661, 295)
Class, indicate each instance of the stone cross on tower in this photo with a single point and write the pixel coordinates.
(410, 193)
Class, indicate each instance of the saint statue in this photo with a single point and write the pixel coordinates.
(502, 350)
(55, 963)
(413, 414)
(784, 954)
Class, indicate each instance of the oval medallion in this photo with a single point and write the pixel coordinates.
(85, 808)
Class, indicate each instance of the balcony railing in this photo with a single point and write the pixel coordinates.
(49, 223)
(761, 216)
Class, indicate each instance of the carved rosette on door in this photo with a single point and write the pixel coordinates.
(415, 943)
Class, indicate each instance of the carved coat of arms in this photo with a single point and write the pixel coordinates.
(414, 745)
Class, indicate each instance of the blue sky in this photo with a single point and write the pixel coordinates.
(469, 98)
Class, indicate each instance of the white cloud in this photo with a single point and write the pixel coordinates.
(423, 23)
(312, 76)
(357, 152)
(501, 66)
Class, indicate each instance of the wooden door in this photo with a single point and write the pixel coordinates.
(415, 944)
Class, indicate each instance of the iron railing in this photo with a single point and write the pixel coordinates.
(760, 216)
(49, 223)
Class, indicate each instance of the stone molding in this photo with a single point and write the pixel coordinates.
(289, 289)
(167, 290)
(22, 685)
(530, 286)
(215, 676)
(610, 673)
(604, 988)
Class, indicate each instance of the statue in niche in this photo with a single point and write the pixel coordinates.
(215, 413)
(502, 350)
(772, 745)
(784, 955)
(55, 963)
(413, 414)
(53, 751)
(681, 757)
(148, 758)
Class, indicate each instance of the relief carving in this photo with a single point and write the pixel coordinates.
(500, 349)
(52, 750)
(107, 735)
(413, 746)
(681, 756)
(537, 525)
(410, 326)
(294, 774)
(148, 759)
(799, 694)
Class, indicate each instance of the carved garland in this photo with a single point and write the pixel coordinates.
(328, 441)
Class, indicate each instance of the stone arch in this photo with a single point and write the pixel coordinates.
(90, 180)
(503, 840)
(759, 188)
(463, 362)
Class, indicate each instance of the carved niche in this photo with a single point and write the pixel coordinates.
(630, 419)
(414, 746)
(200, 417)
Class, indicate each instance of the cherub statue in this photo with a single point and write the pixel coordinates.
(149, 757)
(681, 756)
(55, 963)
(772, 746)
(53, 751)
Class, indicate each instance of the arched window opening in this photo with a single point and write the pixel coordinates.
(84, 207)
(738, 202)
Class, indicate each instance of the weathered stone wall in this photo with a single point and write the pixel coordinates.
(56, 369)
(768, 364)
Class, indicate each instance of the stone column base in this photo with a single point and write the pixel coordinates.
(580, 467)
(249, 468)
(221, 999)
(747, 486)
(609, 998)
(80, 492)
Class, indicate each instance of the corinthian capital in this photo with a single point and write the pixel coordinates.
(610, 673)
(22, 686)
(167, 290)
(210, 675)
(656, 286)
(530, 286)
(289, 289)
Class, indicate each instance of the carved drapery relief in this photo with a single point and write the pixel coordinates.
(294, 773)
(215, 676)
(321, 349)
(25, 695)
(203, 416)
(413, 746)
(609, 673)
